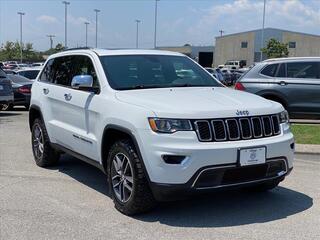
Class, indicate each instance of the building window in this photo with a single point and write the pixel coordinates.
(292, 44)
(244, 44)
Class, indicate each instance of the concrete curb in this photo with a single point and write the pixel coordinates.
(307, 149)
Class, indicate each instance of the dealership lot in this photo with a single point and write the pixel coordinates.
(71, 202)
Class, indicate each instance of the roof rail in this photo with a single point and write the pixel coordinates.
(79, 48)
(289, 58)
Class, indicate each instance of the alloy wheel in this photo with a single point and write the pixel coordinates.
(122, 177)
(37, 141)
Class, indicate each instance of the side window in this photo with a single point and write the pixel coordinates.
(270, 70)
(47, 73)
(303, 70)
(282, 71)
(62, 71)
(82, 65)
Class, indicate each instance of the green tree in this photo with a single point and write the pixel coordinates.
(12, 51)
(58, 48)
(276, 49)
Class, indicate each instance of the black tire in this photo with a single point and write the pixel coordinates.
(264, 187)
(141, 198)
(48, 156)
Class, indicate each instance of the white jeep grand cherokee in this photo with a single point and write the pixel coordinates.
(157, 124)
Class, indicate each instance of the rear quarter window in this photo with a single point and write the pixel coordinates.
(270, 70)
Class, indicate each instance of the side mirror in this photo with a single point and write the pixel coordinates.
(83, 82)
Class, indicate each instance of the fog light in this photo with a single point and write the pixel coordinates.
(292, 146)
(173, 159)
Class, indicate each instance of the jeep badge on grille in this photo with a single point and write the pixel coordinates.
(242, 113)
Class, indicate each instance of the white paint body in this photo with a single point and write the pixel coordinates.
(87, 114)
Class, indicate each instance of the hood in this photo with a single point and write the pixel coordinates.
(199, 102)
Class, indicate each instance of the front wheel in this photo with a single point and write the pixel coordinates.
(44, 154)
(129, 186)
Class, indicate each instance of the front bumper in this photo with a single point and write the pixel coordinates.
(223, 177)
(201, 155)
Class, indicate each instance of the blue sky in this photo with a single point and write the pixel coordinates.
(195, 22)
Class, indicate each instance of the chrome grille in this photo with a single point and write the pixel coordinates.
(203, 130)
(233, 129)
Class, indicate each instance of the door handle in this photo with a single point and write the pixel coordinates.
(67, 96)
(46, 91)
(282, 83)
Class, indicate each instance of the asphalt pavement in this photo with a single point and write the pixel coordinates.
(71, 201)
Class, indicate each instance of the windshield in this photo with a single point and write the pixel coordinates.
(154, 71)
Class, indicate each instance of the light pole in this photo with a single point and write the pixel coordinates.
(97, 11)
(137, 34)
(262, 31)
(155, 23)
(51, 40)
(21, 14)
(65, 23)
(86, 23)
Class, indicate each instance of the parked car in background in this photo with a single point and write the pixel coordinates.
(22, 91)
(235, 64)
(217, 74)
(6, 92)
(38, 64)
(227, 75)
(293, 82)
(9, 71)
(30, 73)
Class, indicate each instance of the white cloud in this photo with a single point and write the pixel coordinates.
(47, 19)
(243, 15)
(77, 20)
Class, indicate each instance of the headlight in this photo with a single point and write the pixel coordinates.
(284, 117)
(164, 125)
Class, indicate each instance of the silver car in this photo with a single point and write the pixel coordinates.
(293, 82)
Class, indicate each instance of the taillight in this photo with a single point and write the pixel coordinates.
(24, 89)
(239, 86)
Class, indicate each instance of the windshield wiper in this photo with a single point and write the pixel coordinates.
(190, 85)
(143, 87)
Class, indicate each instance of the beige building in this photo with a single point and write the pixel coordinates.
(246, 46)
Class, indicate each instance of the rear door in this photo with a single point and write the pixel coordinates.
(299, 81)
(72, 112)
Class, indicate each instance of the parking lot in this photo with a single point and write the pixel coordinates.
(71, 202)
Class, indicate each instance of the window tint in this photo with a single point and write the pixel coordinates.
(32, 74)
(154, 71)
(47, 74)
(303, 70)
(282, 70)
(61, 70)
(270, 70)
(82, 65)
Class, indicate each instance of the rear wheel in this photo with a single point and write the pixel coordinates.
(128, 183)
(44, 154)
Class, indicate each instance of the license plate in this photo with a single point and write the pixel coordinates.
(252, 156)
